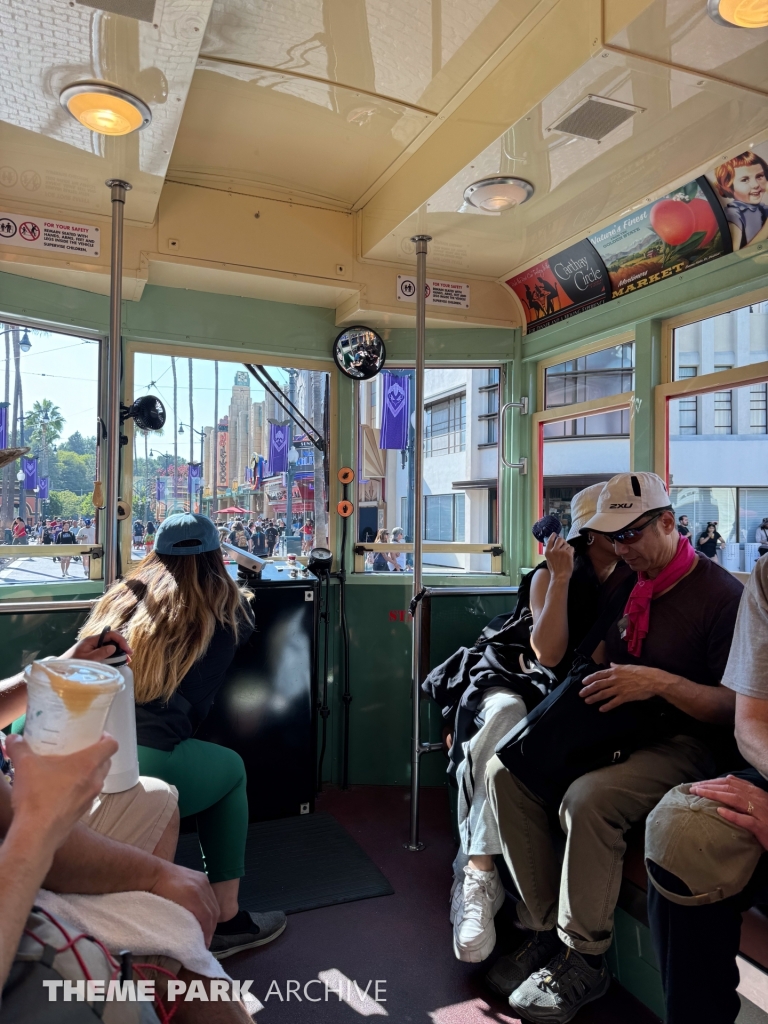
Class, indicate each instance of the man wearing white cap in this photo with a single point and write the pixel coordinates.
(671, 642)
(565, 592)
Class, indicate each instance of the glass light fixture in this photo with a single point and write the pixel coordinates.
(25, 344)
(739, 13)
(495, 195)
(105, 108)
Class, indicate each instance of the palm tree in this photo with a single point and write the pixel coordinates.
(45, 417)
(175, 425)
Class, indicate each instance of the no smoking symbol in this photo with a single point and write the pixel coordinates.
(29, 231)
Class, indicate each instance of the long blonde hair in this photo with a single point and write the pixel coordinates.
(168, 607)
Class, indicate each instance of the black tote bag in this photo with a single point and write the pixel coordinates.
(563, 737)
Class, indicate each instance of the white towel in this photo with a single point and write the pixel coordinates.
(139, 921)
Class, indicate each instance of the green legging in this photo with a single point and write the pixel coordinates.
(211, 784)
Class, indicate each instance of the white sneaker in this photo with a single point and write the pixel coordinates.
(474, 934)
(457, 895)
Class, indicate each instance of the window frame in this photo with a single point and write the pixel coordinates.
(492, 548)
(222, 355)
(671, 324)
(706, 384)
(615, 403)
(48, 599)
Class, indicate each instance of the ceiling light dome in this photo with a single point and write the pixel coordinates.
(105, 109)
(494, 195)
(739, 13)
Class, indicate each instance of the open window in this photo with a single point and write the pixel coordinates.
(240, 445)
(50, 405)
(712, 431)
(461, 471)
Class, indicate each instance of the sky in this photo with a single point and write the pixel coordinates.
(64, 369)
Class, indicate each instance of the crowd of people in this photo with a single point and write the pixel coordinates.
(627, 616)
(261, 536)
(80, 531)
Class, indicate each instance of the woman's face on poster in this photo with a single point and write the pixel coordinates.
(749, 184)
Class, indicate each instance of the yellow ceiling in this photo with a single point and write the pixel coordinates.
(378, 112)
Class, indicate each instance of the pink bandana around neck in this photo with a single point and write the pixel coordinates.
(637, 612)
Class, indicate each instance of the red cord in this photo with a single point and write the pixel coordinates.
(166, 1015)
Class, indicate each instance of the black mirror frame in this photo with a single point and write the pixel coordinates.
(339, 361)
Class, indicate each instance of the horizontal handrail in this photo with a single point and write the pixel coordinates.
(434, 548)
(50, 550)
(27, 607)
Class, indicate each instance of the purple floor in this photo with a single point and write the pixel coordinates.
(403, 941)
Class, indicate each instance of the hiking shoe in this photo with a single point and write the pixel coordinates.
(474, 934)
(263, 928)
(510, 971)
(556, 993)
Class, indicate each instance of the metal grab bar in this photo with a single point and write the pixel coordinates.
(50, 550)
(522, 405)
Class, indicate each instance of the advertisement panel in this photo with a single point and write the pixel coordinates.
(741, 186)
(681, 230)
(561, 286)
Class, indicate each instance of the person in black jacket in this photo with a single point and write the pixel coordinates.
(505, 684)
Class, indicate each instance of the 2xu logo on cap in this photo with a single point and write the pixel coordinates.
(626, 504)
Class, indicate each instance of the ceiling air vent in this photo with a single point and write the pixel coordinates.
(140, 10)
(595, 117)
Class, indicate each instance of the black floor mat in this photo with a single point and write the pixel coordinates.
(300, 863)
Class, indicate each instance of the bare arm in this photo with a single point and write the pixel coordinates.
(752, 730)
(13, 691)
(87, 862)
(549, 603)
(620, 684)
(46, 799)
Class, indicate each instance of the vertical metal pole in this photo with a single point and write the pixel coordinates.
(114, 361)
(420, 242)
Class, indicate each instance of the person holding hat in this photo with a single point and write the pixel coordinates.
(705, 843)
(671, 642)
(565, 596)
(184, 617)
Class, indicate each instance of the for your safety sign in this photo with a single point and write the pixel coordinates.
(48, 233)
(438, 293)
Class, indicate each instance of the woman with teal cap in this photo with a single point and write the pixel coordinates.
(185, 617)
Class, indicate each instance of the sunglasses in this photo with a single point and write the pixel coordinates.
(632, 534)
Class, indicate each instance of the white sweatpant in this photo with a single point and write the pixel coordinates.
(499, 710)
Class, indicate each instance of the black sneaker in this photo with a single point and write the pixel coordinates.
(510, 971)
(557, 992)
(262, 929)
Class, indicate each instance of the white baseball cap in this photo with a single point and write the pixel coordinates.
(583, 507)
(625, 498)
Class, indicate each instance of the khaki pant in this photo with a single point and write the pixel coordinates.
(579, 896)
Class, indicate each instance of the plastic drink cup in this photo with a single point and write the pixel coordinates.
(121, 725)
(67, 703)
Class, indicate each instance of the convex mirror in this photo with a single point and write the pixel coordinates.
(359, 353)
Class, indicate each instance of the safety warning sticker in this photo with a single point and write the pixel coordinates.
(438, 293)
(52, 234)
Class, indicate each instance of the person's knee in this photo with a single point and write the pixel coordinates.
(231, 766)
(496, 776)
(166, 846)
(590, 796)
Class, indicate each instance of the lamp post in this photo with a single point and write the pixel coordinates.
(201, 435)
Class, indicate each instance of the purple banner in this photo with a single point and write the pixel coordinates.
(42, 488)
(279, 443)
(160, 488)
(195, 477)
(395, 416)
(4, 426)
(30, 473)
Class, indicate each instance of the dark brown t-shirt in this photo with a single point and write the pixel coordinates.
(690, 630)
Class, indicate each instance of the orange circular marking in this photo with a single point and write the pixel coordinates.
(345, 509)
(346, 475)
